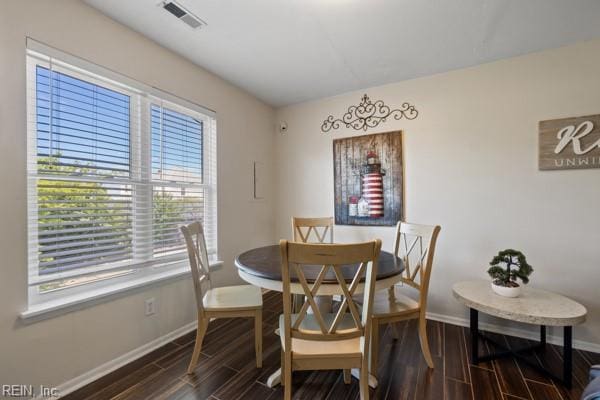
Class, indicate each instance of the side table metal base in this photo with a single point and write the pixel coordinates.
(566, 379)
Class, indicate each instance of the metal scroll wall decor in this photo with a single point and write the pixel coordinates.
(369, 114)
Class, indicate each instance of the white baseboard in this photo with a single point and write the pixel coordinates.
(112, 365)
(512, 331)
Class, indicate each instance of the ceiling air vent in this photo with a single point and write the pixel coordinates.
(183, 14)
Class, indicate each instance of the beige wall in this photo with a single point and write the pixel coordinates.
(471, 166)
(55, 350)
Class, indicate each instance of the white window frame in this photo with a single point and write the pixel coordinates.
(142, 97)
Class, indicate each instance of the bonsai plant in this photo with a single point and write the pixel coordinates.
(508, 266)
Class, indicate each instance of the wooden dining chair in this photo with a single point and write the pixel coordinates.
(312, 230)
(415, 245)
(221, 302)
(325, 341)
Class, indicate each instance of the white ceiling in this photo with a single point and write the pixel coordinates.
(289, 51)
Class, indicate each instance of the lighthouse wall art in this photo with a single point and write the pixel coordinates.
(368, 179)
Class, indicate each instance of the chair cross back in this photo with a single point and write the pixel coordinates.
(198, 255)
(318, 227)
(413, 245)
(310, 292)
(330, 258)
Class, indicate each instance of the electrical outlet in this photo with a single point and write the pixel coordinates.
(150, 306)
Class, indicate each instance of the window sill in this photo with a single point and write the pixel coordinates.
(70, 303)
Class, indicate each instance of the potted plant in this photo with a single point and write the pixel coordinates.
(508, 266)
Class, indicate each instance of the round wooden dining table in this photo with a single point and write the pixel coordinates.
(262, 267)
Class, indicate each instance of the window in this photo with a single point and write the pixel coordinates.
(177, 195)
(114, 169)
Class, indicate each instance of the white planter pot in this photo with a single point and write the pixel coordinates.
(506, 291)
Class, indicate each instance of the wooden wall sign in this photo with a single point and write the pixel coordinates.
(368, 179)
(570, 143)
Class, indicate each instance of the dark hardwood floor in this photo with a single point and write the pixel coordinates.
(227, 370)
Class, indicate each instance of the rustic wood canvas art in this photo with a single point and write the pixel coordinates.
(368, 179)
(570, 143)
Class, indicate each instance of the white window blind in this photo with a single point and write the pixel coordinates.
(183, 176)
(113, 172)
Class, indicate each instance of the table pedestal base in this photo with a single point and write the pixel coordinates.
(372, 380)
(518, 353)
(274, 379)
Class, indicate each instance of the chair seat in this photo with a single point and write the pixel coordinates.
(347, 348)
(243, 297)
(402, 304)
